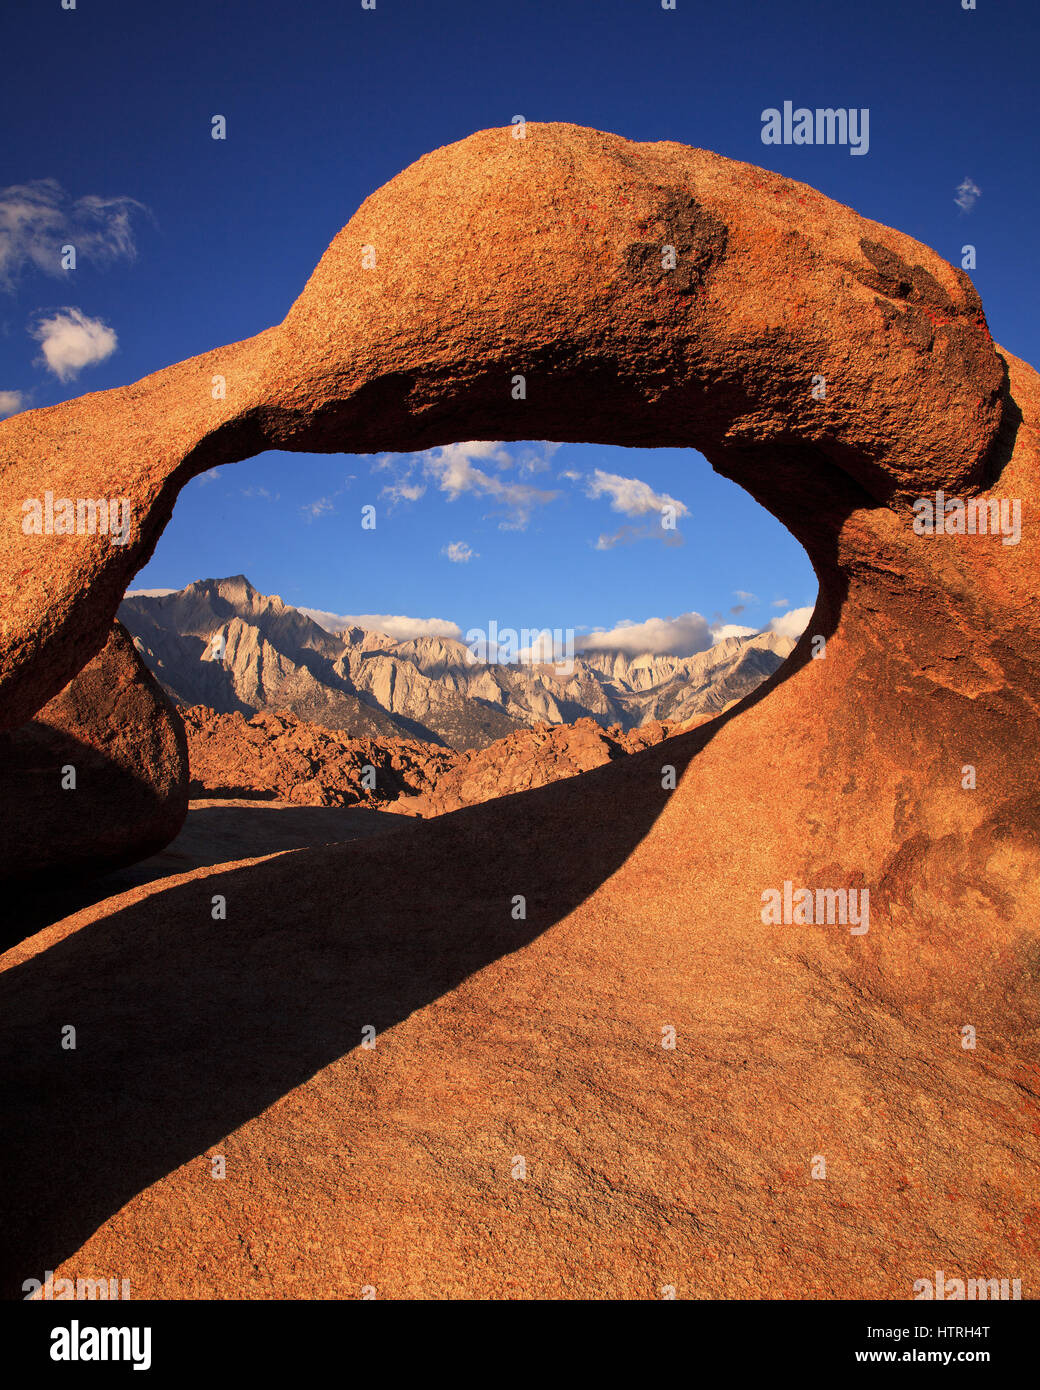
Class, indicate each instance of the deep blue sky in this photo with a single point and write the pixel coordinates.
(326, 101)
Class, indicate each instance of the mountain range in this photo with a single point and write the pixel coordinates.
(223, 644)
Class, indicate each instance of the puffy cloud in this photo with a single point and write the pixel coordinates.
(71, 341)
(38, 218)
(781, 603)
(721, 631)
(968, 194)
(744, 596)
(403, 492)
(457, 469)
(791, 624)
(10, 403)
(453, 469)
(459, 552)
(685, 635)
(391, 625)
(631, 496)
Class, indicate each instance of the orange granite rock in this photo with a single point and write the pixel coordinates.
(841, 1113)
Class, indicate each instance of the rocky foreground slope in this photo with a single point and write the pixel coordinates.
(558, 1045)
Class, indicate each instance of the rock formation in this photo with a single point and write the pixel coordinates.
(779, 286)
(98, 778)
(277, 755)
(840, 1114)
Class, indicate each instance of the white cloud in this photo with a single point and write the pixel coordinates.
(37, 219)
(473, 467)
(631, 496)
(645, 531)
(685, 635)
(545, 649)
(744, 596)
(535, 458)
(455, 473)
(791, 624)
(781, 603)
(459, 552)
(403, 492)
(10, 403)
(71, 342)
(311, 510)
(721, 631)
(968, 193)
(392, 625)
(570, 475)
(625, 536)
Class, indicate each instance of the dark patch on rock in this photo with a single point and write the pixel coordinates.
(967, 359)
(972, 301)
(890, 275)
(926, 290)
(912, 323)
(699, 239)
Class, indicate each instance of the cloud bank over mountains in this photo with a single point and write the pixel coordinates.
(685, 635)
(401, 628)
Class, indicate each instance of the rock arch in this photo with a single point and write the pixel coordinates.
(541, 257)
(494, 257)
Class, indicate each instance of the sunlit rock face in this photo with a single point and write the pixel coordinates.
(842, 1111)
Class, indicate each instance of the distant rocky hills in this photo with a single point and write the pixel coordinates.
(222, 644)
(275, 756)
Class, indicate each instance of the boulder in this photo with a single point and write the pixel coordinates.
(98, 778)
